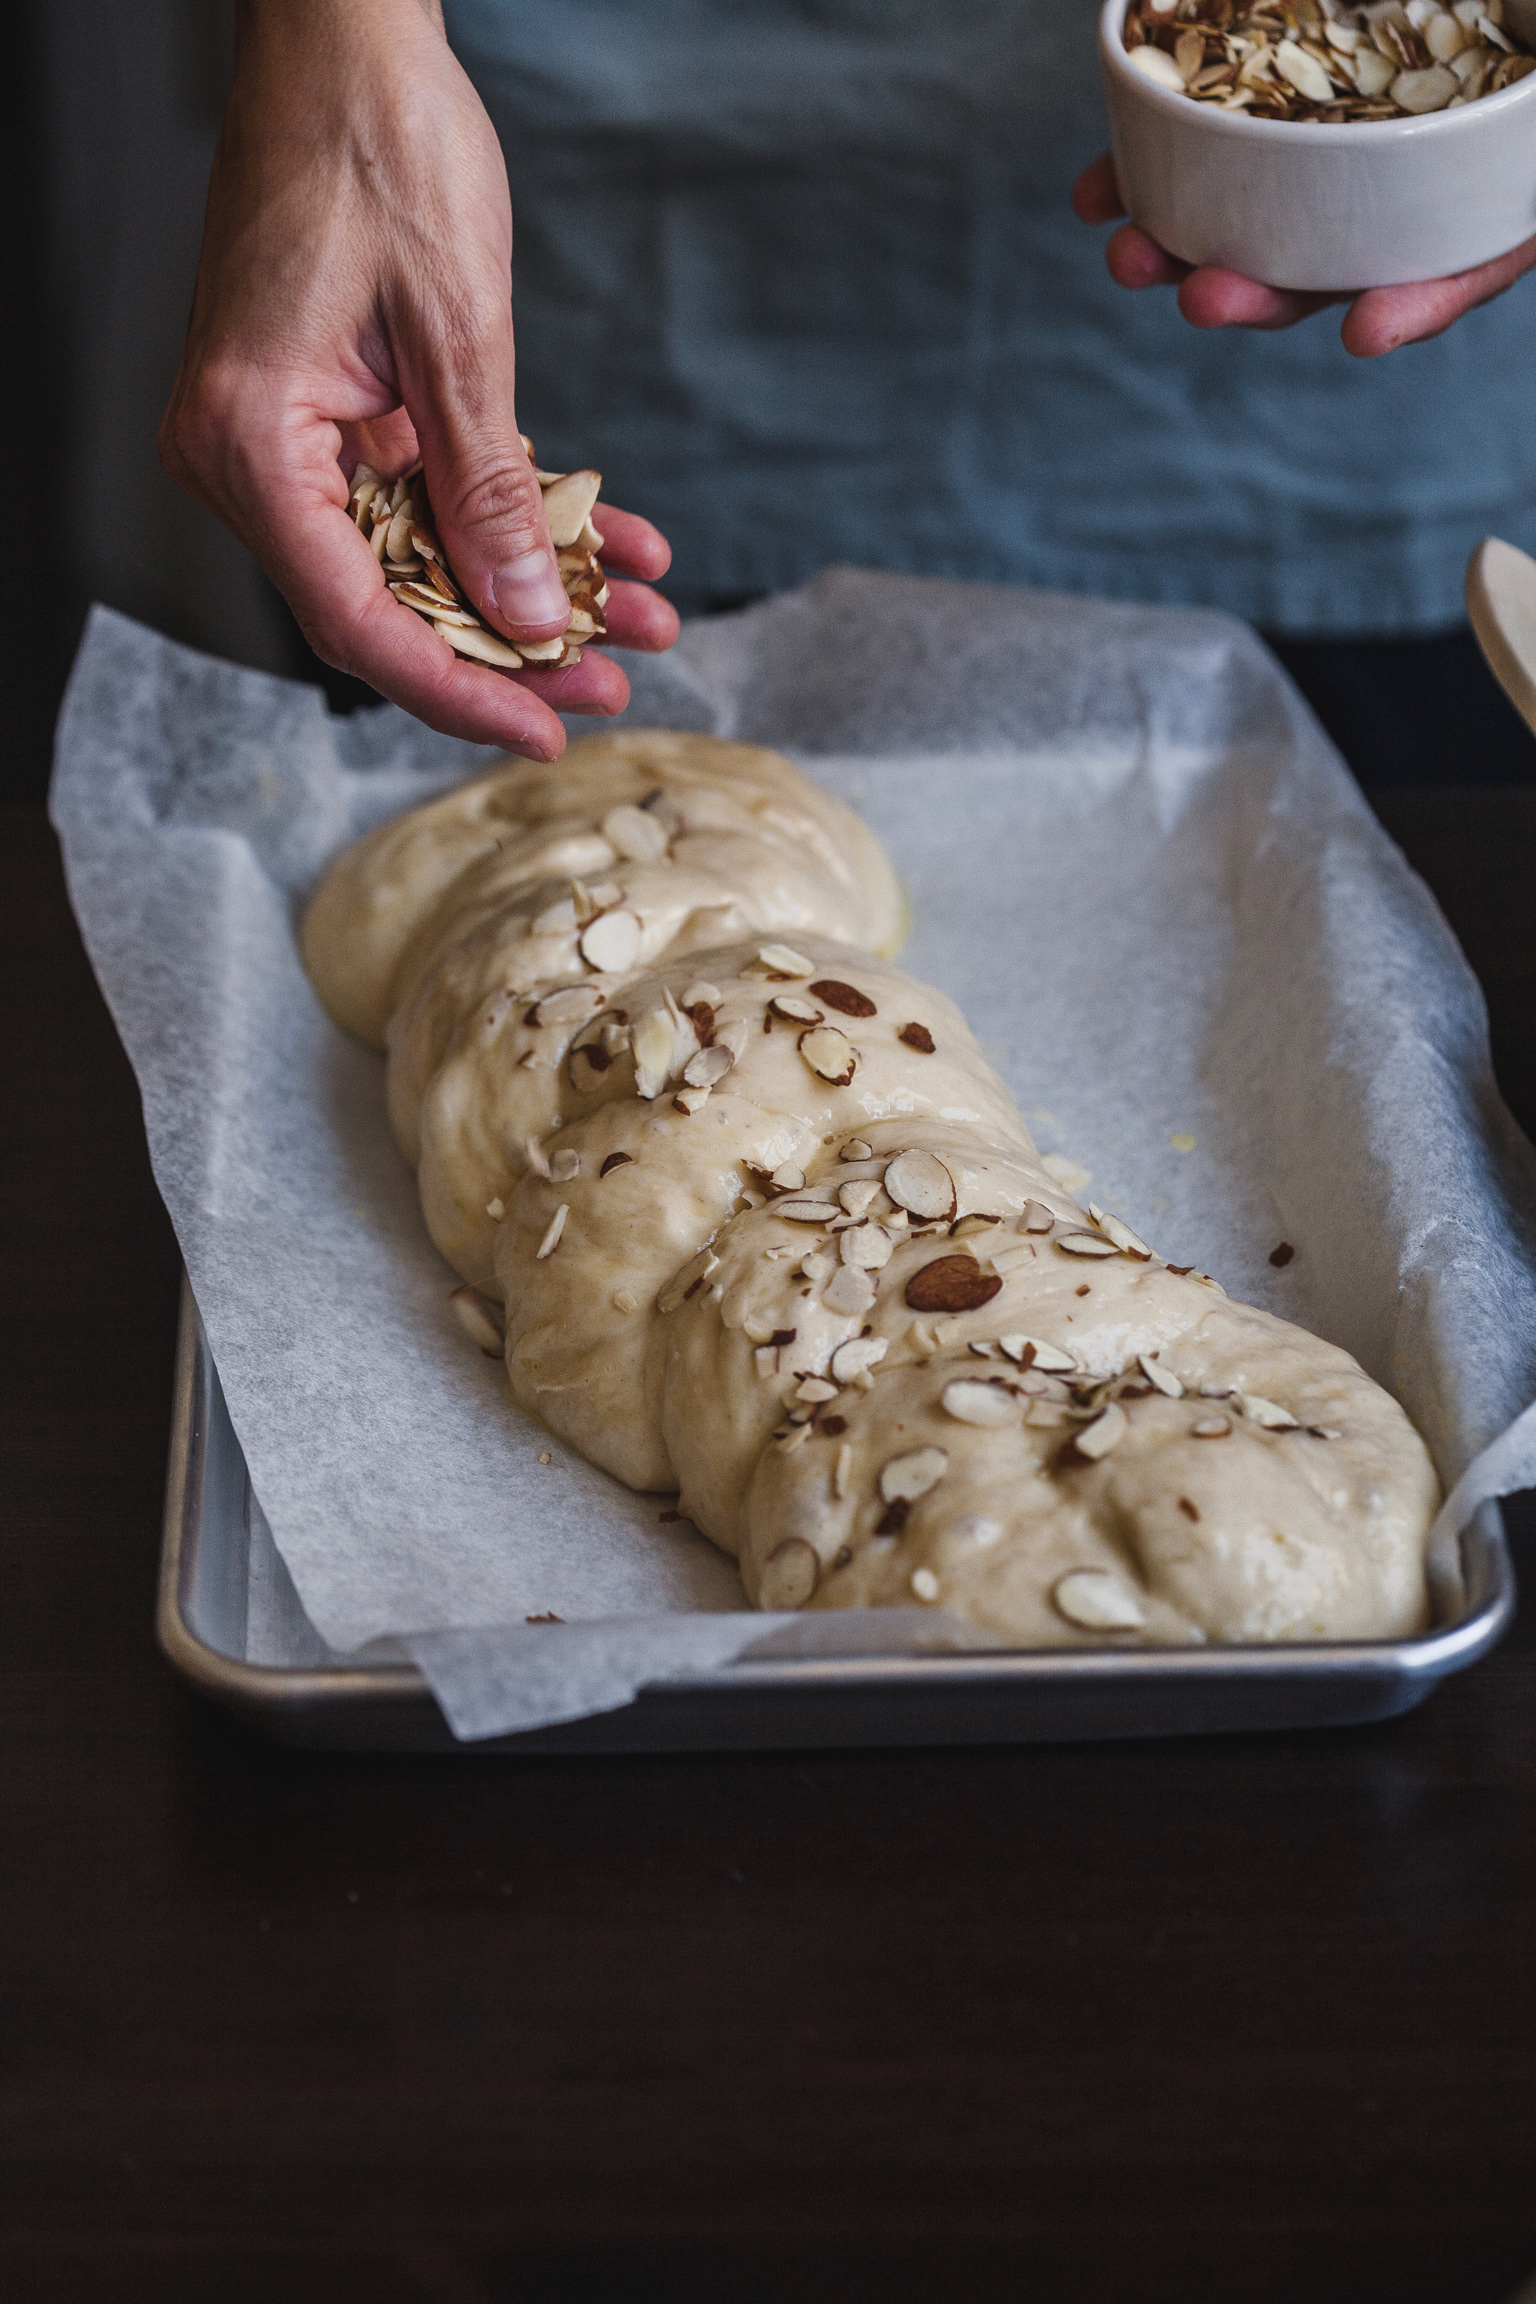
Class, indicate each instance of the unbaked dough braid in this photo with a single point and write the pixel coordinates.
(770, 1232)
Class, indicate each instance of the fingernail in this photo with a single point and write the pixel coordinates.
(528, 590)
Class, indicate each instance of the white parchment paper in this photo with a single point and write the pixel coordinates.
(1134, 861)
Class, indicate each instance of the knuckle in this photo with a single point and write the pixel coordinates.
(501, 497)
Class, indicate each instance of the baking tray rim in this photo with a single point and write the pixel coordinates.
(280, 1690)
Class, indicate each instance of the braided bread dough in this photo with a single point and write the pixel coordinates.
(770, 1231)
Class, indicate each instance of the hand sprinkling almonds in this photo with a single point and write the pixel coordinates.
(396, 518)
(1326, 61)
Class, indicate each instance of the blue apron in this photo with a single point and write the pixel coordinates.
(801, 277)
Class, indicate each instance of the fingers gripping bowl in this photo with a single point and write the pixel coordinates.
(1324, 204)
(751, 1218)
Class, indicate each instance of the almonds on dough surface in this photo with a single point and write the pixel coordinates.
(905, 1478)
(920, 1183)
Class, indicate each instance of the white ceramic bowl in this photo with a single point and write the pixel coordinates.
(1319, 204)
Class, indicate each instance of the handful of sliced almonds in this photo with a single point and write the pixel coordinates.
(396, 517)
(1324, 60)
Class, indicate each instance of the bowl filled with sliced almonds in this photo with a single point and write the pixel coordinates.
(1318, 144)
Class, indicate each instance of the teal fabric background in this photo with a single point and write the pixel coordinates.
(802, 278)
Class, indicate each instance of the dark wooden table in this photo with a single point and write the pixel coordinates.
(1252, 2019)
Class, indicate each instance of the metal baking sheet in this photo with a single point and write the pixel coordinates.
(222, 1582)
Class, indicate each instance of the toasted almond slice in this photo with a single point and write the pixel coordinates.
(1037, 1217)
(1029, 1352)
(857, 1197)
(867, 1247)
(850, 1292)
(1086, 1244)
(791, 1572)
(789, 1178)
(815, 1389)
(682, 1284)
(793, 1010)
(1106, 1431)
(1123, 1237)
(543, 651)
(797, 1208)
(1267, 1413)
(1211, 1428)
(1162, 1378)
(856, 1149)
(920, 1183)
(783, 960)
(635, 833)
(568, 503)
(842, 1476)
(483, 1323)
(830, 1054)
(972, 1400)
(691, 1099)
(654, 1039)
(485, 647)
(553, 1230)
(571, 1004)
(708, 1068)
(816, 1264)
(858, 1355)
(591, 540)
(907, 1477)
(612, 943)
(1156, 65)
(766, 1359)
(702, 995)
(1097, 1600)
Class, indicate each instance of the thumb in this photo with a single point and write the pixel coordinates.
(485, 498)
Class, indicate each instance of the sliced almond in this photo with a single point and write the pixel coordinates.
(1211, 1428)
(653, 1044)
(1037, 1217)
(905, 1478)
(553, 1230)
(568, 504)
(782, 960)
(845, 998)
(866, 1247)
(842, 1476)
(1266, 1413)
(1097, 1600)
(635, 833)
(682, 1284)
(857, 1355)
(691, 1099)
(815, 1389)
(564, 1165)
(1163, 1379)
(920, 1183)
(794, 1010)
(856, 1149)
(702, 995)
(796, 1208)
(789, 1178)
(483, 1323)
(830, 1054)
(858, 1197)
(850, 1292)
(1086, 1244)
(1106, 1431)
(484, 647)
(708, 1068)
(1123, 1237)
(1030, 1352)
(571, 1004)
(971, 1400)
